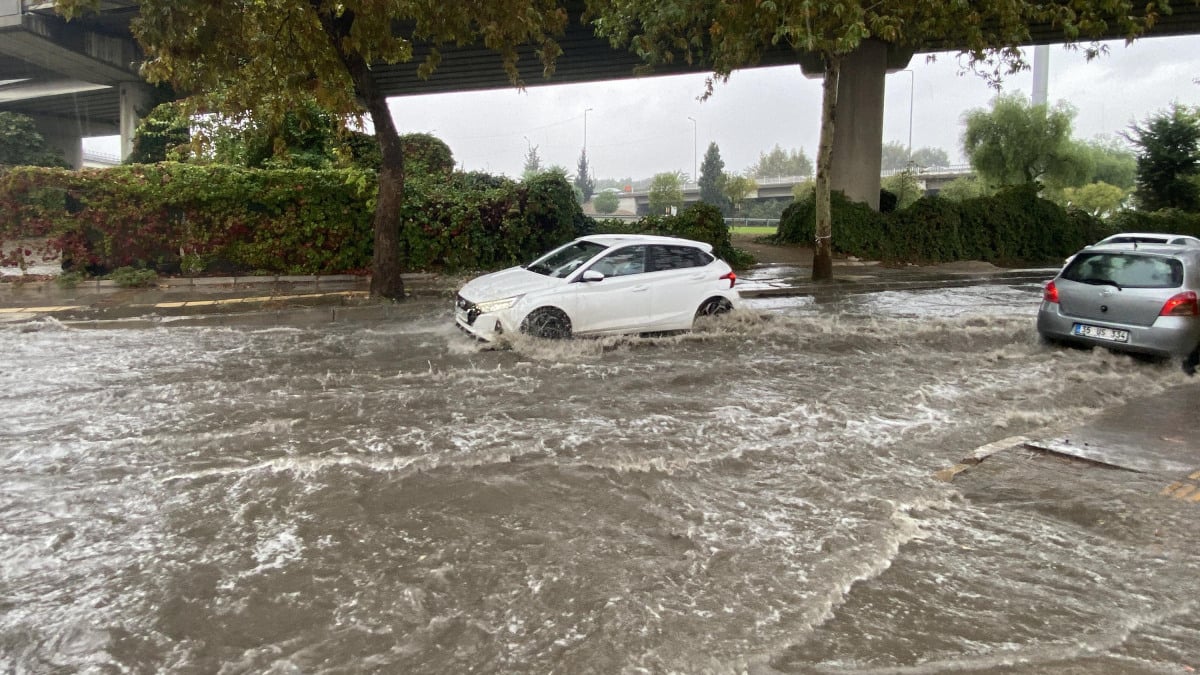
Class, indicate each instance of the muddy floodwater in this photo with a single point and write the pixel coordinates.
(755, 497)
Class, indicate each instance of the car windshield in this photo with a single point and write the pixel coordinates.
(562, 261)
(1125, 270)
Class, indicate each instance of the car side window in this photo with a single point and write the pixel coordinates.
(677, 257)
(622, 262)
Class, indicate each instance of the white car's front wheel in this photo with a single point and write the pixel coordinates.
(547, 322)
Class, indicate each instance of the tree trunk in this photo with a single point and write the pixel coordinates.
(823, 246)
(386, 265)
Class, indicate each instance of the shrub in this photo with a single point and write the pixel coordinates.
(1172, 221)
(131, 277)
(1013, 226)
(699, 222)
(474, 221)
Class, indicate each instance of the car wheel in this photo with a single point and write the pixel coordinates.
(547, 322)
(1191, 361)
(713, 307)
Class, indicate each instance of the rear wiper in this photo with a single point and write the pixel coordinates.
(1103, 282)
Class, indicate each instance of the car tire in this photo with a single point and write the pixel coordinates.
(550, 323)
(1191, 361)
(714, 307)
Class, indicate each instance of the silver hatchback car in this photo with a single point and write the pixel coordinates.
(1140, 299)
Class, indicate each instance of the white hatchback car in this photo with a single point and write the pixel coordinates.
(601, 285)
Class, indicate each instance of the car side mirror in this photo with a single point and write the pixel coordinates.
(591, 275)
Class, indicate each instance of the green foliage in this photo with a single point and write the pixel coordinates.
(155, 215)
(182, 217)
(163, 135)
(1099, 199)
(926, 157)
(666, 191)
(738, 189)
(965, 187)
(1018, 143)
(469, 221)
(896, 157)
(606, 202)
(1166, 220)
(1014, 226)
(70, 279)
(857, 228)
(134, 277)
(533, 163)
(905, 186)
(1168, 160)
(583, 180)
(780, 163)
(699, 222)
(712, 179)
(426, 154)
(22, 145)
(1112, 162)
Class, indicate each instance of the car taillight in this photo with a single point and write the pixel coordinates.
(731, 277)
(1050, 292)
(1181, 304)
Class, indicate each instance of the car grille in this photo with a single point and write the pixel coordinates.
(469, 308)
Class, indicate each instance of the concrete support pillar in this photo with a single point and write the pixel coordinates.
(858, 130)
(137, 98)
(63, 135)
(858, 124)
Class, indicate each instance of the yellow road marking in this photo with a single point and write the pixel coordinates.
(1195, 476)
(1183, 492)
(1171, 488)
(193, 303)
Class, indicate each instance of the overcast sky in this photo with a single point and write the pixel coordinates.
(639, 127)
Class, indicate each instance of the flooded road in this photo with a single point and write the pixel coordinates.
(755, 497)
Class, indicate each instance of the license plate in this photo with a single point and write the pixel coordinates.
(1101, 333)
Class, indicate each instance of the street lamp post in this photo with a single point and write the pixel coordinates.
(585, 112)
(695, 165)
(912, 85)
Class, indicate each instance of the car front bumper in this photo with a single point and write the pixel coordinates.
(1172, 336)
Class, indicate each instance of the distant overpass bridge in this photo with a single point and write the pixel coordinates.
(81, 78)
(930, 179)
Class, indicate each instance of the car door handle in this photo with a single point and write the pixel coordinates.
(639, 289)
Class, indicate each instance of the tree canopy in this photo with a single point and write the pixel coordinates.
(583, 180)
(712, 178)
(259, 58)
(666, 191)
(780, 163)
(1017, 143)
(22, 145)
(1168, 160)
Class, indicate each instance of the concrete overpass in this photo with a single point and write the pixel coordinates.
(80, 78)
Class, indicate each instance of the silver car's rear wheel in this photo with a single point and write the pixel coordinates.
(1191, 361)
(548, 322)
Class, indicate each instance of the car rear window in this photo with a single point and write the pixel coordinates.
(677, 257)
(1126, 270)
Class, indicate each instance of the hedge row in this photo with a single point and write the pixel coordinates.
(224, 219)
(1013, 227)
(699, 222)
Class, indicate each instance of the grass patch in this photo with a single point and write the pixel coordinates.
(753, 230)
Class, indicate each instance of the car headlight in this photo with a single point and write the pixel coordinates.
(497, 305)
